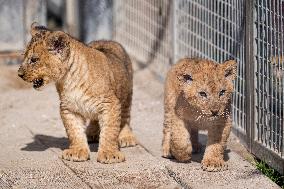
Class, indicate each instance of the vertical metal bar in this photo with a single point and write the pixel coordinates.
(281, 80)
(266, 75)
(272, 89)
(273, 86)
(249, 67)
(263, 84)
(72, 24)
(175, 4)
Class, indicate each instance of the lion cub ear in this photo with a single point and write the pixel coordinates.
(229, 68)
(185, 78)
(37, 29)
(58, 44)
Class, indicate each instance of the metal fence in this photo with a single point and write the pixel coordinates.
(251, 32)
(213, 30)
(268, 25)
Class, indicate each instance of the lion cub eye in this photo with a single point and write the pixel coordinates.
(187, 78)
(203, 94)
(222, 93)
(33, 60)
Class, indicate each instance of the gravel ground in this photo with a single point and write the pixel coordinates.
(32, 138)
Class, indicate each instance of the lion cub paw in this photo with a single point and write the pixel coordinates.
(76, 154)
(182, 155)
(214, 165)
(110, 157)
(166, 152)
(185, 158)
(127, 141)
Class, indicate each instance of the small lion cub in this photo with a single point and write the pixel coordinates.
(94, 83)
(198, 97)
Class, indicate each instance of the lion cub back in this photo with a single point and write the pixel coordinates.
(114, 51)
(120, 65)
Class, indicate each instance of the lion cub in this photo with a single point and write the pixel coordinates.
(94, 82)
(198, 96)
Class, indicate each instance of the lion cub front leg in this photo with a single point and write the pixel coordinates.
(110, 119)
(213, 159)
(196, 145)
(178, 139)
(78, 148)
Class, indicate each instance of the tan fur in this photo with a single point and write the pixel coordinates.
(277, 67)
(94, 83)
(193, 102)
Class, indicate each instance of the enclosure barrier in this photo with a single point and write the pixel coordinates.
(157, 33)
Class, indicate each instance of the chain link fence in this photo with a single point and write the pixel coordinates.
(268, 51)
(214, 30)
(158, 33)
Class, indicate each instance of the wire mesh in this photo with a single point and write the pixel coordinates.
(143, 28)
(217, 30)
(269, 75)
(213, 30)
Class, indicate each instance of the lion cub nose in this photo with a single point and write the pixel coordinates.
(214, 112)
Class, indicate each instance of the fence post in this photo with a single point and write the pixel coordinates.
(34, 11)
(72, 22)
(249, 69)
(174, 32)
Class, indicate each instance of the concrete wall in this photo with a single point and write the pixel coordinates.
(16, 17)
(87, 20)
(96, 19)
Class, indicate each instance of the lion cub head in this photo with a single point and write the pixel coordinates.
(207, 86)
(45, 56)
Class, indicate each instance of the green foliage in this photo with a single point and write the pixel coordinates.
(270, 172)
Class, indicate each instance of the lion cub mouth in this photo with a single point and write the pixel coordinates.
(37, 83)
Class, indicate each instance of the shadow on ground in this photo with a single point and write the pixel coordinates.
(44, 142)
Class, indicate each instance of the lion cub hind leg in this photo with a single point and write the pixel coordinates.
(166, 142)
(110, 127)
(74, 125)
(196, 145)
(180, 146)
(126, 137)
(93, 131)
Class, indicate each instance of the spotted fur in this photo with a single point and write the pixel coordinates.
(197, 97)
(94, 82)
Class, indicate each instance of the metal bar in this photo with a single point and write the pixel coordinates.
(249, 71)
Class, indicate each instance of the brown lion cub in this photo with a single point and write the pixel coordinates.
(198, 96)
(94, 83)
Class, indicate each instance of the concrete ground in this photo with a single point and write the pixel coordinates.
(32, 138)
